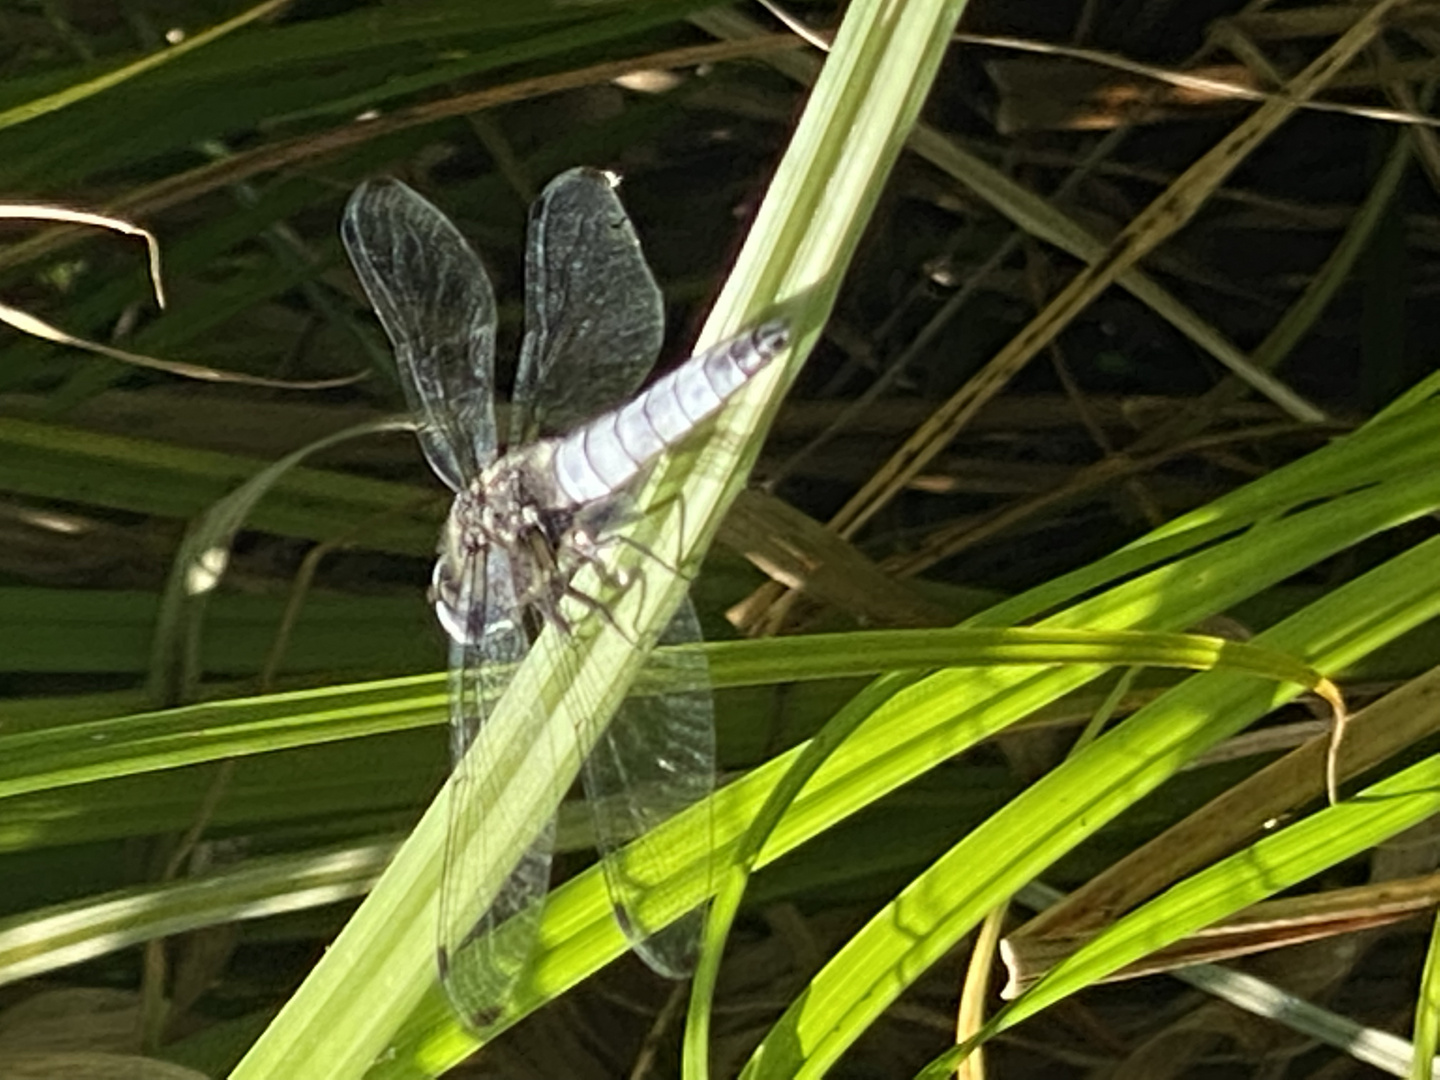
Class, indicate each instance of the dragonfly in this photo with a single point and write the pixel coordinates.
(525, 521)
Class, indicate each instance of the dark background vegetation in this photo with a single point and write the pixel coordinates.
(89, 525)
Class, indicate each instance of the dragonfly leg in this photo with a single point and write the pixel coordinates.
(588, 543)
(589, 603)
(649, 552)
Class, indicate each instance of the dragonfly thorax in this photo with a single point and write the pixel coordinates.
(505, 508)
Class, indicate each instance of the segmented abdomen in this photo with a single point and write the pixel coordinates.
(601, 457)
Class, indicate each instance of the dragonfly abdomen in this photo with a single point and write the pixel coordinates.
(601, 457)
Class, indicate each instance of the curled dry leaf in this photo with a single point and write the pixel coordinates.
(42, 212)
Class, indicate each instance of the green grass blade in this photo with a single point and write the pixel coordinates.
(1065, 807)
(50, 938)
(1267, 867)
(19, 114)
(57, 462)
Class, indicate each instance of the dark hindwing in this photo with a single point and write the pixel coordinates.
(594, 316)
(431, 294)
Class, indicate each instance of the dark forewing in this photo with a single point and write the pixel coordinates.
(479, 961)
(594, 318)
(432, 296)
(656, 759)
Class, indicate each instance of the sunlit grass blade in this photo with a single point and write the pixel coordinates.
(1275, 863)
(106, 748)
(867, 99)
(1068, 805)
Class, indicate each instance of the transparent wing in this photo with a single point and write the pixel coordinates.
(432, 296)
(594, 318)
(487, 937)
(656, 759)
